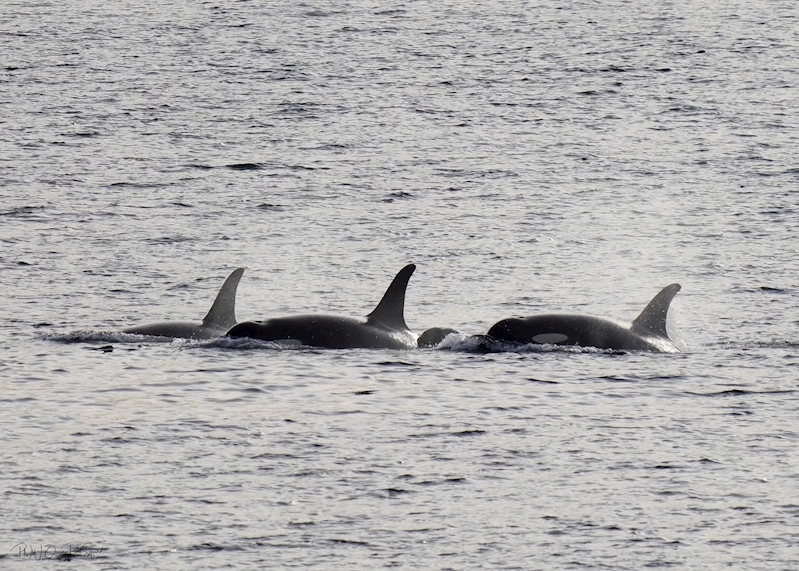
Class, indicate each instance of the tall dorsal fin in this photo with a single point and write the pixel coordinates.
(652, 320)
(223, 312)
(391, 309)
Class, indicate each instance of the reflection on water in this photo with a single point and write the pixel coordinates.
(528, 159)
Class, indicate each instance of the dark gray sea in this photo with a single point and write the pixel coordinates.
(528, 156)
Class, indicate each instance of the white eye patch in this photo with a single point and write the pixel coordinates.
(550, 338)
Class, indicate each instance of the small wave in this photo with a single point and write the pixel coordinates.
(128, 184)
(88, 336)
(121, 338)
(321, 13)
(391, 492)
(208, 546)
(398, 196)
(740, 392)
(469, 432)
(274, 456)
(542, 381)
(769, 289)
(486, 344)
(763, 289)
(245, 166)
(397, 364)
(22, 211)
(744, 345)
(83, 134)
(169, 240)
(271, 207)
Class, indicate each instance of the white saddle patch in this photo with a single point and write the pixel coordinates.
(550, 338)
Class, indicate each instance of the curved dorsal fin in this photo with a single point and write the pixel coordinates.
(391, 309)
(223, 312)
(652, 320)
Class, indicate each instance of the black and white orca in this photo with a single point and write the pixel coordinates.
(384, 328)
(220, 318)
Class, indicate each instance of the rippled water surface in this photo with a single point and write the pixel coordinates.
(529, 157)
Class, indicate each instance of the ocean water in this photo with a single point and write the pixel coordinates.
(529, 157)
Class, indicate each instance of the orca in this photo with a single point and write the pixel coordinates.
(220, 318)
(647, 332)
(433, 337)
(384, 328)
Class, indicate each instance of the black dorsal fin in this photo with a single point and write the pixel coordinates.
(223, 312)
(652, 320)
(391, 309)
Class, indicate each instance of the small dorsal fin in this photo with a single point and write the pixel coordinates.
(223, 312)
(652, 320)
(391, 309)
